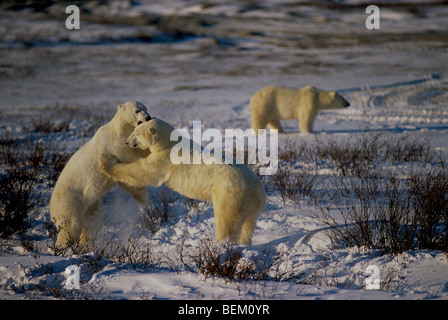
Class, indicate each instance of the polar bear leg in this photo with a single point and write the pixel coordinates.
(275, 124)
(92, 224)
(69, 231)
(226, 230)
(306, 121)
(258, 122)
(227, 224)
(68, 214)
(248, 230)
(85, 238)
(135, 175)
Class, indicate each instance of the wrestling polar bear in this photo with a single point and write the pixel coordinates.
(271, 104)
(236, 192)
(75, 201)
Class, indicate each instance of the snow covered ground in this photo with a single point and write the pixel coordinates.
(191, 61)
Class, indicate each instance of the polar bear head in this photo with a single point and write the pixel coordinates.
(133, 113)
(153, 134)
(331, 100)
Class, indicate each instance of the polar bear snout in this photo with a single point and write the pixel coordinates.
(146, 120)
(132, 145)
(340, 101)
(132, 141)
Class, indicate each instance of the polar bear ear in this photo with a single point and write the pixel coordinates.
(121, 107)
(152, 131)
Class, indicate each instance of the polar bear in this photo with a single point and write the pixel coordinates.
(236, 192)
(75, 201)
(271, 104)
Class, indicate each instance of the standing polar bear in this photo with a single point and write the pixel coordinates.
(271, 104)
(75, 201)
(236, 192)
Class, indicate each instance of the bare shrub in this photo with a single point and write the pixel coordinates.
(19, 194)
(213, 260)
(229, 261)
(55, 164)
(50, 120)
(388, 212)
(294, 180)
(358, 154)
(370, 212)
(134, 254)
(366, 205)
(428, 192)
(44, 124)
(196, 205)
(160, 209)
(292, 184)
(16, 201)
(406, 149)
(292, 151)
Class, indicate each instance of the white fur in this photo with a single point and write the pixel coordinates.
(272, 104)
(75, 201)
(236, 192)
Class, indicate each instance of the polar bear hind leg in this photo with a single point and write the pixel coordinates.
(275, 124)
(69, 229)
(258, 122)
(233, 224)
(225, 230)
(227, 222)
(91, 224)
(78, 224)
(259, 116)
(248, 230)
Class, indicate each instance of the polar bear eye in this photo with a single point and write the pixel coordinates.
(137, 111)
